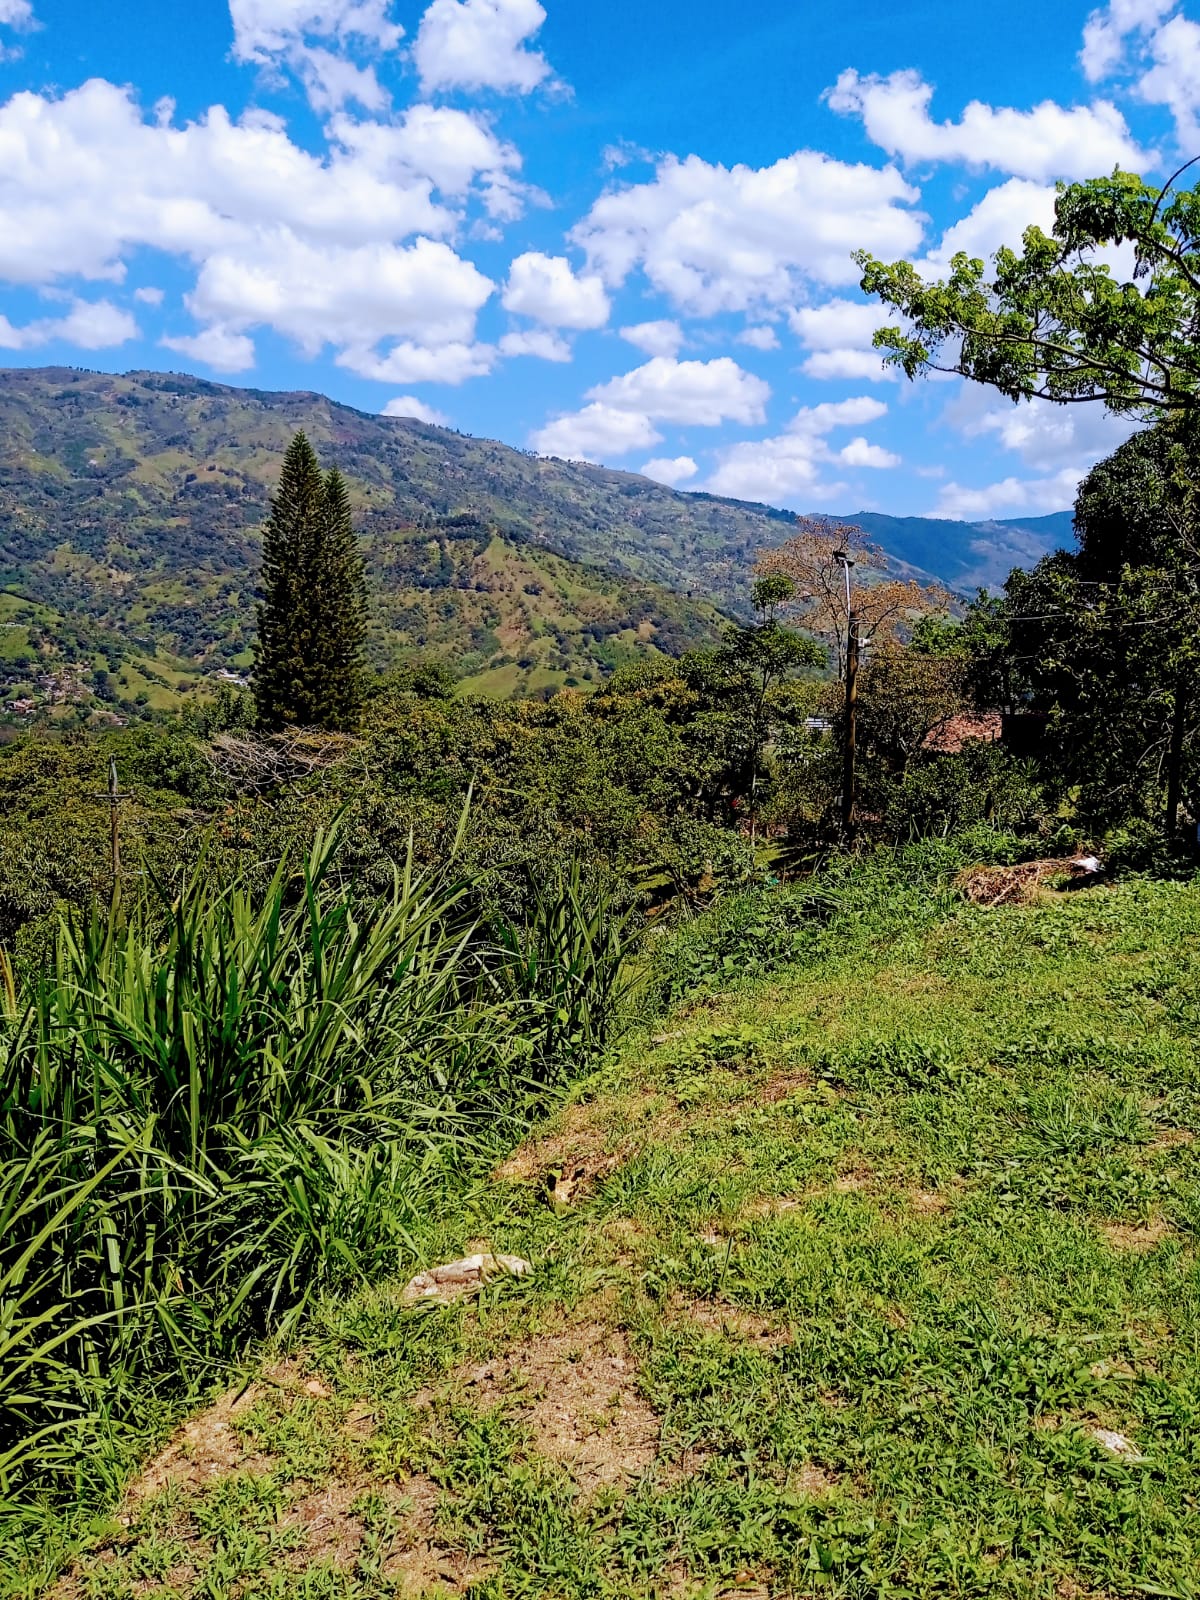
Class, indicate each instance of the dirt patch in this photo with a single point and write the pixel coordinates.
(207, 1447)
(780, 1088)
(417, 1560)
(1172, 1139)
(854, 1180)
(577, 1393)
(331, 1530)
(1070, 1589)
(574, 1159)
(928, 1202)
(1138, 1237)
(812, 1481)
(714, 1316)
(773, 1206)
(679, 1584)
(414, 1557)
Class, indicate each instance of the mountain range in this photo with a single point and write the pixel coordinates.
(130, 509)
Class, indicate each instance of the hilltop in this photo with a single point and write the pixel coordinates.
(130, 509)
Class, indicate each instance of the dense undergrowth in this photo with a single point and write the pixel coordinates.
(219, 1104)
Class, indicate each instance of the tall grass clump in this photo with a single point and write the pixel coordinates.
(214, 1106)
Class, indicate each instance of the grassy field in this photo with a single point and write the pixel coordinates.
(874, 1277)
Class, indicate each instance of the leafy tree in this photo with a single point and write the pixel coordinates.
(905, 694)
(312, 612)
(1106, 639)
(754, 663)
(1052, 321)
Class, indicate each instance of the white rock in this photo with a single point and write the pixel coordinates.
(459, 1278)
(1118, 1444)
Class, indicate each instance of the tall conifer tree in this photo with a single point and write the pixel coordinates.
(312, 610)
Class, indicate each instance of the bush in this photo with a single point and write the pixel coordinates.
(945, 794)
(746, 936)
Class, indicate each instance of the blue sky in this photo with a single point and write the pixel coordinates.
(615, 232)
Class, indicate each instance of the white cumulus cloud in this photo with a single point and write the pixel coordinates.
(714, 238)
(545, 289)
(408, 362)
(298, 34)
(1000, 218)
(407, 405)
(855, 365)
(264, 28)
(789, 468)
(16, 13)
(760, 337)
(700, 393)
(90, 324)
(543, 343)
(1155, 44)
(661, 338)
(861, 453)
(838, 334)
(672, 472)
(837, 324)
(219, 348)
(1043, 434)
(309, 246)
(596, 433)
(352, 297)
(481, 44)
(1037, 496)
(1173, 80)
(1051, 141)
(456, 151)
(1108, 28)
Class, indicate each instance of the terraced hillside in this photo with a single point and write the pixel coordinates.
(130, 510)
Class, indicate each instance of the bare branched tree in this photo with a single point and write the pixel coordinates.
(887, 606)
(252, 763)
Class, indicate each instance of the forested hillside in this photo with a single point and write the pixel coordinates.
(130, 514)
(131, 507)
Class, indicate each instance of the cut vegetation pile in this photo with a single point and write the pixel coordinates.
(1018, 885)
(878, 1280)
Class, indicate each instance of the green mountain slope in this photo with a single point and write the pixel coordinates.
(968, 555)
(132, 506)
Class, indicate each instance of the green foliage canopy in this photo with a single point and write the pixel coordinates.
(1052, 321)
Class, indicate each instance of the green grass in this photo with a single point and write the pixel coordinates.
(880, 1241)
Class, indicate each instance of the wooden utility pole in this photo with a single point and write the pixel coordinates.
(850, 730)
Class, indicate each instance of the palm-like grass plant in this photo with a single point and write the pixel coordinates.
(215, 1105)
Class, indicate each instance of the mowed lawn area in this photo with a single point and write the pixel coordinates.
(877, 1277)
